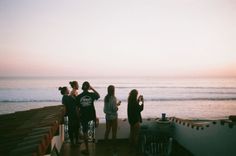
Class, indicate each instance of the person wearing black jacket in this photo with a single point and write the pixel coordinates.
(134, 116)
(70, 106)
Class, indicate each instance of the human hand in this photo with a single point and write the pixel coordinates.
(91, 88)
(118, 103)
(140, 98)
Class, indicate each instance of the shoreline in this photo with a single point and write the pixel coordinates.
(187, 110)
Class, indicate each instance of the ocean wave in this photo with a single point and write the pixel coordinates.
(125, 87)
(15, 101)
(125, 100)
(174, 87)
(167, 87)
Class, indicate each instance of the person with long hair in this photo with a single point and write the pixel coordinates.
(110, 109)
(70, 106)
(87, 110)
(74, 93)
(134, 116)
(75, 86)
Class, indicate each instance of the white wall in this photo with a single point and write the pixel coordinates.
(215, 140)
(58, 140)
(123, 130)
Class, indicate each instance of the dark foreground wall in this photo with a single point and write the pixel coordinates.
(32, 132)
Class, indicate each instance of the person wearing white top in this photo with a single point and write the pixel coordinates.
(110, 109)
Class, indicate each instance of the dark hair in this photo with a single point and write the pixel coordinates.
(63, 90)
(110, 92)
(73, 83)
(132, 99)
(85, 86)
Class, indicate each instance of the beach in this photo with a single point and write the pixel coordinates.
(185, 98)
(181, 109)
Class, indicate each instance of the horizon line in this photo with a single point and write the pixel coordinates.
(100, 76)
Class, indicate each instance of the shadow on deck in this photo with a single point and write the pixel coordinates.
(105, 149)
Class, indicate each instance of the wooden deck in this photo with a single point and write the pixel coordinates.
(96, 149)
(105, 149)
(32, 133)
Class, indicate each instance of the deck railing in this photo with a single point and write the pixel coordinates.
(156, 138)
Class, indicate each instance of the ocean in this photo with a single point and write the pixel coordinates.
(195, 98)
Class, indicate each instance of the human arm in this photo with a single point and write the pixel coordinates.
(140, 99)
(115, 104)
(118, 102)
(95, 92)
(64, 102)
(74, 93)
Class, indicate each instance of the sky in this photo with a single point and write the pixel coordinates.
(118, 38)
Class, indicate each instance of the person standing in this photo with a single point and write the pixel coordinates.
(134, 116)
(74, 93)
(85, 102)
(75, 86)
(110, 109)
(70, 106)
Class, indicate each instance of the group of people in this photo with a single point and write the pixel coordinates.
(80, 111)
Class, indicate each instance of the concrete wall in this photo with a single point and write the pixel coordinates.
(217, 138)
(123, 129)
(57, 140)
(212, 138)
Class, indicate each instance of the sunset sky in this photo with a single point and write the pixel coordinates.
(118, 38)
